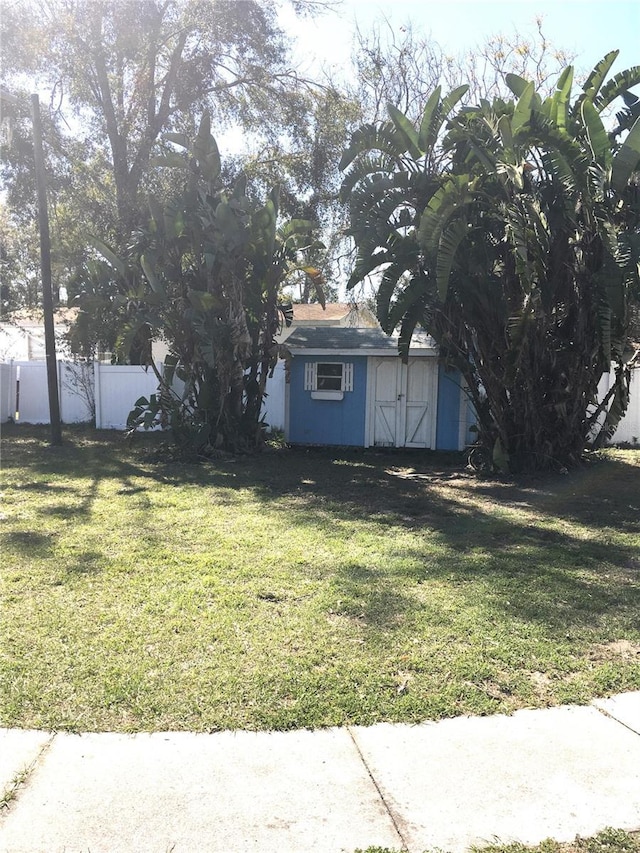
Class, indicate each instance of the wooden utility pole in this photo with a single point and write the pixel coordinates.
(45, 270)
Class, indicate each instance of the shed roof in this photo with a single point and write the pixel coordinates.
(341, 338)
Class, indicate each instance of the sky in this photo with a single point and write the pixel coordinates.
(588, 28)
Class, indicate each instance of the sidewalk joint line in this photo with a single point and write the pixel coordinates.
(392, 817)
(606, 713)
(22, 777)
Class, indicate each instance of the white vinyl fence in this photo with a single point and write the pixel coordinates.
(112, 390)
(628, 431)
(106, 390)
(24, 395)
(5, 392)
(117, 387)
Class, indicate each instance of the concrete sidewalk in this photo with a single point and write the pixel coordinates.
(554, 773)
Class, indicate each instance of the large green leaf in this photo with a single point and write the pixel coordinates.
(205, 150)
(116, 263)
(413, 295)
(451, 239)
(411, 318)
(366, 262)
(389, 282)
(230, 228)
(450, 197)
(298, 234)
(627, 159)
(128, 334)
(522, 112)
(180, 139)
(148, 264)
(517, 84)
(595, 79)
(367, 165)
(617, 86)
(596, 134)
(449, 102)
(264, 229)
(483, 155)
(406, 131)
(425, 135)
(201, 300)
(371, 137)
(506, 133)
(561, 98)
(171, 160)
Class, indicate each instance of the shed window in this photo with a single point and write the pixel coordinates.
(328, 380)
(329, 377)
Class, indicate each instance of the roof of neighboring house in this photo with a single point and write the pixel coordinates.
(341, 338)
(333, 314)
(315, 312)
(62, 316)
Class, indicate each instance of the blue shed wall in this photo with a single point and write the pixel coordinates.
(339, 422)
(448, 422)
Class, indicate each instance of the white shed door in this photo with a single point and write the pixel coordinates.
(420, 402)
(404, 399)
(386, 397)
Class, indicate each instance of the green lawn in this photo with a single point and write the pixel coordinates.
(304, 588)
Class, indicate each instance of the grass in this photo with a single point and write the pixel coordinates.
(306, 589)
(607, 841)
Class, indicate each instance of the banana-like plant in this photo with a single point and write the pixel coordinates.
(210, 266)
(510, 231)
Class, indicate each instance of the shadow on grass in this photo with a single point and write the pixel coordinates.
(87, 563)
(28, 541)
(363, 597)
(544, 550)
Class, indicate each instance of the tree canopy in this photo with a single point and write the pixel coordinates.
(120, 75)
(509, 230)
(129, 71)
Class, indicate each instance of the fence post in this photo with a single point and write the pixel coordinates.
(97, 393)
(13, 388)
(60, 366)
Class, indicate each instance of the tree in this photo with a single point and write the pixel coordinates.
(309, 179)
(207, 275)
(402, 66)
(132, 70)
(122, 73)
(19, 265)
(509, 230)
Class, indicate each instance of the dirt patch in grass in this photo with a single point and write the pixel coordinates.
(616, 650)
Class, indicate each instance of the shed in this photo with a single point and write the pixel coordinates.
(348, 386)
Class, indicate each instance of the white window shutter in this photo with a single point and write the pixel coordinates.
(348, 377)
(310, 376)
